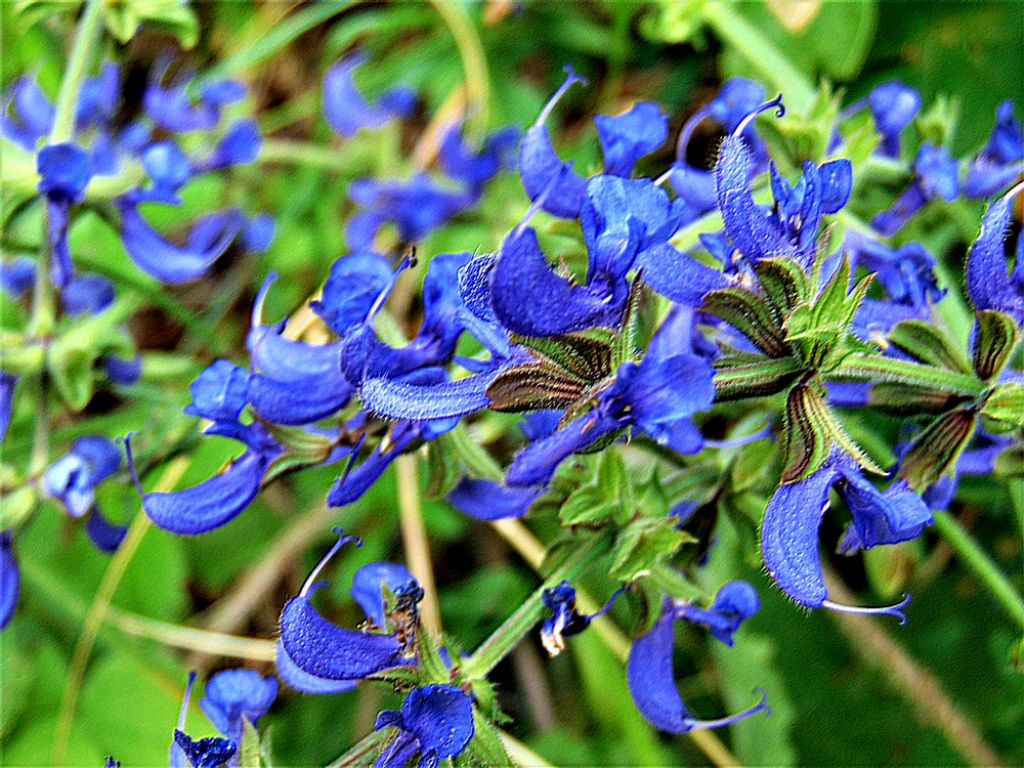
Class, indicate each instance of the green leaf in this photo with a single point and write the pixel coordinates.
(927, 344)
(997, 337)
(172, 16)
(589, 505)
(70, 369)
(643, 543)
(31, 12)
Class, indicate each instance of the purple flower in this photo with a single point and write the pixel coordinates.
(345, 108)
(990, 284)
(72, 480)
(236, 696)
(936, 175)
(565, 620)
(627, 137)
(1001, 162)
(436, 721)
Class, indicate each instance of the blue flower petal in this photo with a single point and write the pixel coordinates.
(488, 500)
(351, 289)
(345, 108)
(987, 277)
(789, 536)
(8, 383)
(239, 146)
(212, 503)
(897, 515)
(166, 165)
(99, 97)
(678, 277)
(423, 402)
(529, 298)
(893, 106)
(473, 167)
(33, 114)
(651, 677)
(330, 652)
(218, 393)
(122, 371)
(367, 583)
(735, 602)
(536, 463)
(211, 752)
(106, 536)
(10, 580)
(440, 717)
(234, 695)
(17, 276)
(297, 678)
(170, 263)
(627, 137)
(65, 172)
(87, 295)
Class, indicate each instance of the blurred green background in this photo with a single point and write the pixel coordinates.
(835, 700)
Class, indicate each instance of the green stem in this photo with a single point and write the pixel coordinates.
(474, 64)
(508, 635)
(277, 151)
(875, 368)
(975, 559)
(363, 752)
(760, 53)
(87, 38)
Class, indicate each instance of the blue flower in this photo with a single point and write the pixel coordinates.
(99, 98)
(893, 106)
(416, 207)
(211, 752)
(65, 172)
(345, 108)
(736, 99)
(218, 393)
(936, 175)
(355, 284)
(475, 167)
(122, 371)
(8, 383)
(171, 108)
(488, 500)
(789, 534)
(220, 499)
(735, 602)
(566, 621)
(547, 180)
(990, 284)
(656, 397)
(316, 656)
(87, 295)
(10, 580)
(17, 276)
(436, 721)
(72, 479)
(27, 114)
(294, 382)
(1001, 162)
(651, 678)
(627, 137)
(235, 696)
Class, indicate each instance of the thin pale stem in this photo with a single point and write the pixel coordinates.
(980, 564)
(474, 63)
(86, 43)
(415, 541)
(191, 638)
(98, 611)
(916, 685)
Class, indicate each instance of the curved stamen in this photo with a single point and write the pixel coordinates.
(737, 442)
(307, 585)
(780, 110)
(131, 463)
(885, 610)
(683, 141)
(407, 263)
(571, 79)
(761, 706)
(261, 298)
(184, 702)
(607, 606)
(1014, 190)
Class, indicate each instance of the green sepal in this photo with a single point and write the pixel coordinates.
(588, 505)
(627, 344)
(249, 753)
(431, 663)
(738, 378)
(910, 400)
(486, 749)
(444, 470)
(821, 330)
(927, 344)
(580, 357)
(935, 451)
(1006, 404)
(807, 439)
(300, 443)
(644, 542)
(997, 336)
(749, 314)
(533, 387)
(784, 283)
(70, 369)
